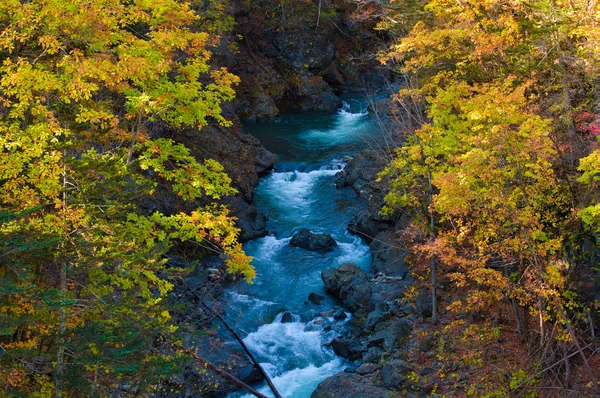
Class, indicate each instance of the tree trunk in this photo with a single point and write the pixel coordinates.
(225, 375)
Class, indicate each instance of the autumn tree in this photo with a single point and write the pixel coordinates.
(500, 157)
(81, 84)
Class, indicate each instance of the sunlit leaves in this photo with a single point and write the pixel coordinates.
(81, 83)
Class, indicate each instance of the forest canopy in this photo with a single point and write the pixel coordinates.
(84, 86)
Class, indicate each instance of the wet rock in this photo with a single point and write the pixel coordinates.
(311, 241)
(339, 315)
(341, 347)
(311, 93)
(287, 317)
(315, 298)
(344, 385)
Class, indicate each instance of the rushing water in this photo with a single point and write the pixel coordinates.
(300, 193)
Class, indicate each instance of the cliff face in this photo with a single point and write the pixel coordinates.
(300, 57)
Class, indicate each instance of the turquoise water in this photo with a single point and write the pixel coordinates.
(300, 193)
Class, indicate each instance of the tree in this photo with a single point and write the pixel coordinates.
(81, 85)
(496, 165)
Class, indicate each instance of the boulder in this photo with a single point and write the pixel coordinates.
(350, 284)
(311, 93)
(321, 243)
(394, 373)
(388, 255)
(343, 385)
(287, 317)
(315, 298)
(366, 368)
(242, 155)
(368, 223)
(341, 347)
(423, 306)
(360, 174)
(390, 334)
(374, 318)
(339, 315)
(251, 222)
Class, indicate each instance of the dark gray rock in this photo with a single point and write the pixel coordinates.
(368, 223)
(423, 306)
(194, 282)
(350, 284)
(242, 155)
(390, 334)
(311, 93)
(374, 318)
(388, 255)
(315, 298)
(304, 50)
(251, 222)
(366, 368)
(344, 385)
(287, 317)
(394, 373)
(360, 174)
(311, 241)
(373, 354)
(341, 347)
(339, 315)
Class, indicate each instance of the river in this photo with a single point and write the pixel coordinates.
(300, 193)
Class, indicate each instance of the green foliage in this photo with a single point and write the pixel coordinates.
(82, 304)
(494, 162)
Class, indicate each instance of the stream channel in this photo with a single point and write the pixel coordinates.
(300, 193)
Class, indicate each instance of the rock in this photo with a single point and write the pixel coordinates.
(344, 385)
(394, 373)
(223, 351)
(373, 355)
(339, 315)
(193, 283)
(374, 318)
(350, 284)
(242, 155)
(388, 255)
(341, 347)
(360, 174)
(315, 298)
(304, 49)
(251, 222)
(426, 371)
(423, 306)
(367, 224)
(366, 368)
(311, 93)
(390, 335)
(287, 317)
(315, 242)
